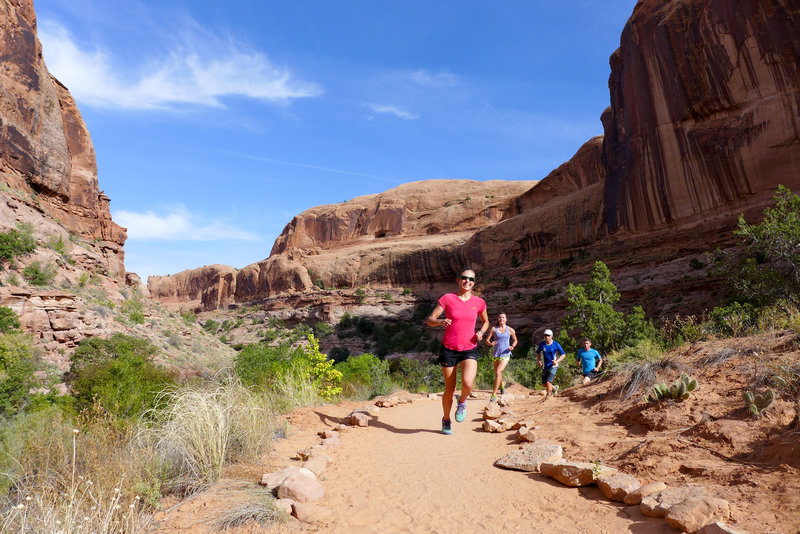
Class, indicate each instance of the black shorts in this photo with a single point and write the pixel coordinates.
(592, 374)
(451, 358)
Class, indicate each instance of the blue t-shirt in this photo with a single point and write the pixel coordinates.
(588, 359)
(550, 351)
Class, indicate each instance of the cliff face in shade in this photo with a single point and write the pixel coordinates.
(705, 110)
(46, 152)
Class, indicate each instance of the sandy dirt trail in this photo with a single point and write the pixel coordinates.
(401, 474)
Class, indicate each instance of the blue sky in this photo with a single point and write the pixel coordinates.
(216, 122)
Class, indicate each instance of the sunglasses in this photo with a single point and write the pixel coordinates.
(470, 278)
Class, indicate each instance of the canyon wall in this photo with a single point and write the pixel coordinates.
(705, 110)
(47, 159)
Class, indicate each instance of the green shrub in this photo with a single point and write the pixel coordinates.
(766, 267)
(407, 291)
(16, 371)
(339, 354)
(264, 366)
(119, 374)
(9, 321)
(322, 329)
(188, 318)
(416, 375)
(38, 274)
(16, 242)
(364, 376)
(211, 326)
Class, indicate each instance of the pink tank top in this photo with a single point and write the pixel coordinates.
(460, 335)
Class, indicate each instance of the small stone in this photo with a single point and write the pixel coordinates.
(656, 504)
(284, 505)
(637, 496)
(311, 513)
(301, 486)
(719, 528)
(526, 434)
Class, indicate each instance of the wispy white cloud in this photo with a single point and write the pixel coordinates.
(197, 72)
(393, 110)
(310, 166)
(428, 79)
(178, 224)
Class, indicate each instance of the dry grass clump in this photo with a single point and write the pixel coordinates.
(636, 368)
(202, 428)
(259, 507)
(68, 480)
(718, 357)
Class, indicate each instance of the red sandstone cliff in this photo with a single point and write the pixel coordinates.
(206, 288)
(46, 153)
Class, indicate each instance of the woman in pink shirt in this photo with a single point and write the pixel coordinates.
(460, 342)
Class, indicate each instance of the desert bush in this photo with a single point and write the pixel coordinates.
(119, 374)
(416, 375)
(17, 365)
(766, 267)
(39, 274)
(211, 326)
(364, 376)
(188, 318)
(264, 366)
(9, 321)
(322, 329)
(16, 242)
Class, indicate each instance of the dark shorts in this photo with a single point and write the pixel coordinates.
(549, 374)
(451, 358)
(591, 374)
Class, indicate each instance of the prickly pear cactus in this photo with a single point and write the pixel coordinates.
(758, 402)
(679, 390)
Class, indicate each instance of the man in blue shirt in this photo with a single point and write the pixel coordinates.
(590, 361)
(552, 353)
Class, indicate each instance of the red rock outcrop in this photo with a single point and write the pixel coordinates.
(46, 153)
(705, 110)
(203, 289)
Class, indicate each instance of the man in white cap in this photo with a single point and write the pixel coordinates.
(552, 353)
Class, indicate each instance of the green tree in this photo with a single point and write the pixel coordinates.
(119, 374)
(591, 313)
(767, 267)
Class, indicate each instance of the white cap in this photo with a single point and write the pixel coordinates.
(548, 332)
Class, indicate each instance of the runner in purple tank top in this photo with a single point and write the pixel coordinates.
(505, 340)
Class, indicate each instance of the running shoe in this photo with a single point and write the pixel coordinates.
(502, 388)
(461, 411)
(555, 389)
(493, 398)
(446, 427)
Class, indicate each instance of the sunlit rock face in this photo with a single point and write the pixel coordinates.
(206, 288)
(46, 153)
(705, 110)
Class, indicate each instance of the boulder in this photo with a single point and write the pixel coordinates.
(694, 513)
(656, 504)
(301, 486)
(617, 486)
(358, 419)
(273, 480)
(531, 457)
(636, 496)
(316, 464)
(526, 434)
(573, 473)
